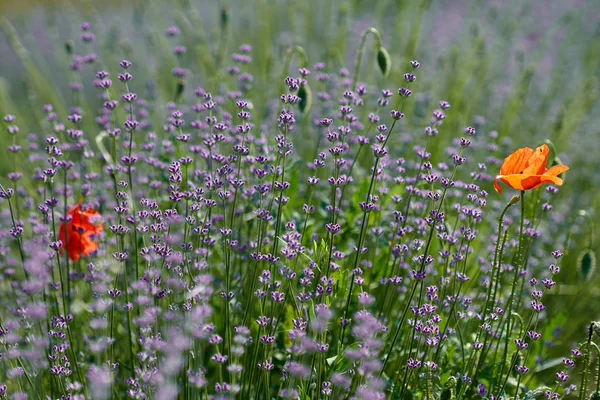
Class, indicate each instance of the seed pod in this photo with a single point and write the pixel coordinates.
(449, 386)
(305, 95)
(180, 89)
(224, 18)
(126, 48)
(556, 161)
(595, 328)
(69, 46)
(447, 394)
(587, 263)
(138, 16)
(384, 61)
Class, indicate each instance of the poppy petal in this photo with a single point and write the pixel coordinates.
(89, 220)
(537, 163)
(516, 162)
(61, 232)
(496, 186)
(520, 181)
(77, 235)
(525, 169)
(530, 182)
(543, 180)
(552, 179)
(556, 170)
(80, 245)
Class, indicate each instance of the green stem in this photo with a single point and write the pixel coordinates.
(510, 327)
(493, 288)
(129, 324)
(363, 226)
(586, 363)
(14, 224)
(67, 245)
(361, 49)
(299, 50)
(420, 282)
(598, 372)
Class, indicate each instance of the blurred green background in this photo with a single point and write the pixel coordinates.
(530, 69)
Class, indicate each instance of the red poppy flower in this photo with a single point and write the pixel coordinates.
(525, 169)
(77, 235)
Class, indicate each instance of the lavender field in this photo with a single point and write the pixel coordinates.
(270, 199)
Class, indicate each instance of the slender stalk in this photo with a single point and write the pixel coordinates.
(132, 194)
(68, 269)
(418, 282)
(363, 226)
(280, 201)
(510, 327)
(14, 224)
(361, 49)
(289, 54)
(493, 287)
(583, 386)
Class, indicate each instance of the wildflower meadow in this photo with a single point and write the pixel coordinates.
(299, 200)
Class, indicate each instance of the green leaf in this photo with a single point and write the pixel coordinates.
(331, 360)
(549, 364)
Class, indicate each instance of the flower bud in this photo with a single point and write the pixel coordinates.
(384, 61)
(305, 95)
(587, 264)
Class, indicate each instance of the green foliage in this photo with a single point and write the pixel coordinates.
(527, 82)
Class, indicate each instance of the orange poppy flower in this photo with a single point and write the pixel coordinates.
(525, 169)
(77, 235)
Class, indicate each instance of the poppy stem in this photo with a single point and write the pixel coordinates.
(361, 49)
(590, 222)
(58, 266)
(519, 263)
(289, 54)
(68, 274)
(491, 293)
(583, 386)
